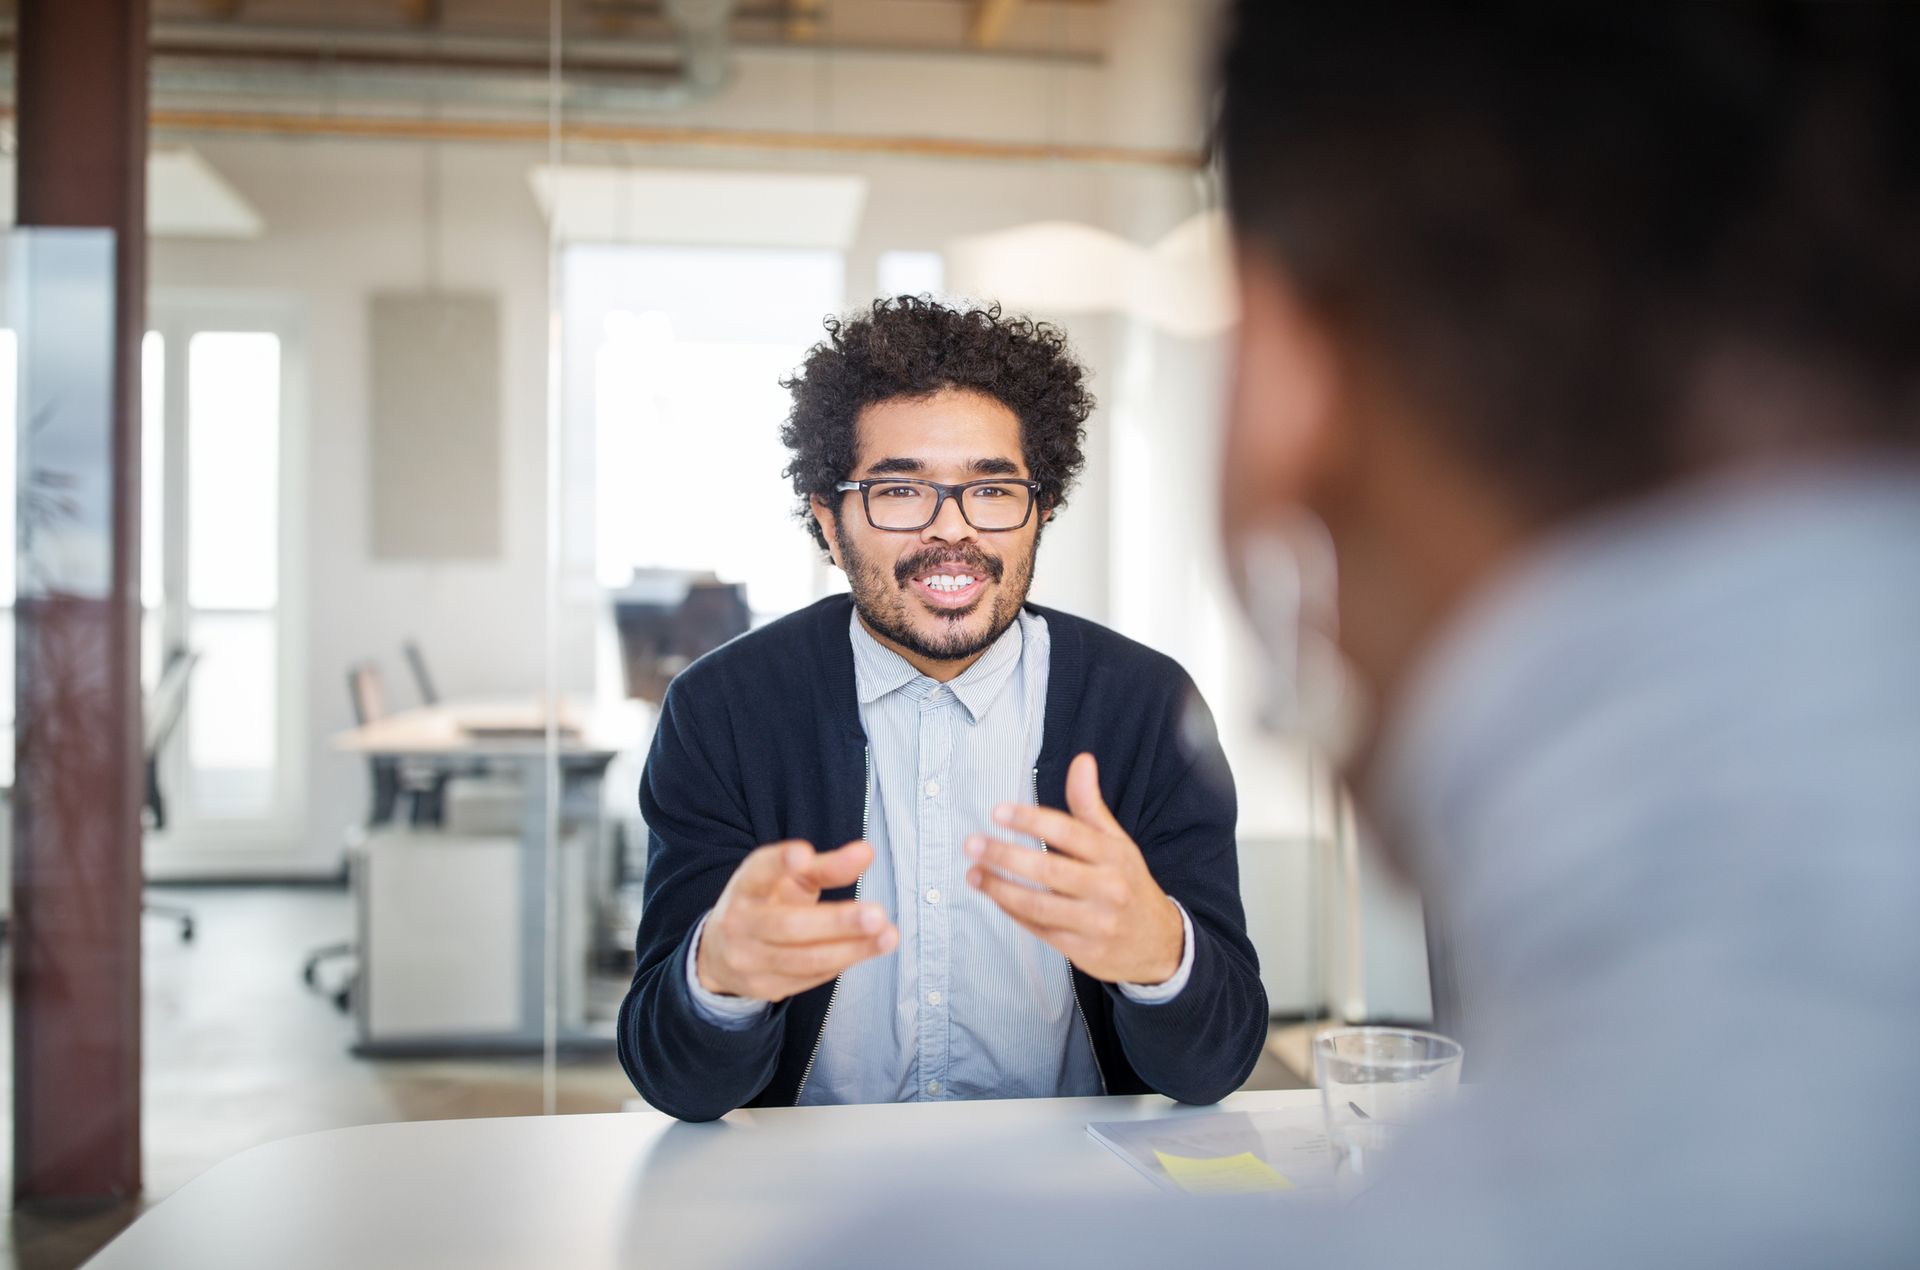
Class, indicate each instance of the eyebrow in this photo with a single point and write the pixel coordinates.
(900, 464)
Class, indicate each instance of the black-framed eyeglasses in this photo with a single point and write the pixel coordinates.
(904, 505)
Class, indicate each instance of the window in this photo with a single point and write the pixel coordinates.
(209, 564)
(686, 348)
(912, 273)
(151, 589)
(233, 569)
(153, 504)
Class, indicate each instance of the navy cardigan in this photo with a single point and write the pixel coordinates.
(761, 740)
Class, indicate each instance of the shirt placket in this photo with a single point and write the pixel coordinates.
(933, 851)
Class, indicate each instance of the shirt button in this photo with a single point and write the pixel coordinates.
(933, 895)
(933, 789)
(933, 1087)
(933, 998)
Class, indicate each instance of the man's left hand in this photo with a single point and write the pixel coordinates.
(1101, 907)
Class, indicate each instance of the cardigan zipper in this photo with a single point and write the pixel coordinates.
(833, 994)
(1085, 1027)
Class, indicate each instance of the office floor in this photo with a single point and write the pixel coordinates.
(238, 1052)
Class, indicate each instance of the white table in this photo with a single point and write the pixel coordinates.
(594, 1192)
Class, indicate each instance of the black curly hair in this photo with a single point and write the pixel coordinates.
(913, 346)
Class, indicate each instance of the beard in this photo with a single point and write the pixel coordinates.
(881, 595)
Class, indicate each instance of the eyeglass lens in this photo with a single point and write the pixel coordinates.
(905, 505)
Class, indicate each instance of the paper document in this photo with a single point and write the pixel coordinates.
(1225, 1153)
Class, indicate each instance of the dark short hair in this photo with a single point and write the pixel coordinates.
(913, 347)
(1543, 218)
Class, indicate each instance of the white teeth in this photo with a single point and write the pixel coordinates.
(948, 582)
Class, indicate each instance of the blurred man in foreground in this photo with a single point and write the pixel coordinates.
(1588, 338)
(1591, 335)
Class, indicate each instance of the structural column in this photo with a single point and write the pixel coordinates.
(81, 80)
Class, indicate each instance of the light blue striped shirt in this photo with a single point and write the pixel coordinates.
(970, 1005)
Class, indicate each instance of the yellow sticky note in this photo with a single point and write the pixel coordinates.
(1223, 1175)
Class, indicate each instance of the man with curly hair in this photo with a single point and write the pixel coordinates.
(860, 887)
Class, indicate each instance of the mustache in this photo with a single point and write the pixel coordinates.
(987, 566)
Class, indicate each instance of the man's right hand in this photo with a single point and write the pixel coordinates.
(769, 937)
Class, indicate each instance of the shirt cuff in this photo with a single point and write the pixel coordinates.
(735, 1014)
(1158, 993)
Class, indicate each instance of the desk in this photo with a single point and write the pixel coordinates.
(461, 731)
(457, 735)
(603, 1191)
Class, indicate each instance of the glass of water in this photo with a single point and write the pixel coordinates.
(1373, 1082)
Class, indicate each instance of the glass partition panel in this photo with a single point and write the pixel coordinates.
(73, 965)
(9, 504)
(461, 408)
(345, 506)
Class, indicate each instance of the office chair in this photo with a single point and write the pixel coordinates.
(417, 663)
(392, 780)
(164, 707)
(423, 683)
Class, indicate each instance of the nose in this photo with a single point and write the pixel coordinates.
(949, 525)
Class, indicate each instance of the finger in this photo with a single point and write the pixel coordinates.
(1058, 830)
(816, 923)
(1075, 947)
(804, 966)
(1083, 796)
(825, 870)
(1057, 873)
(1041, 908)
(809, 872)
(765, 866)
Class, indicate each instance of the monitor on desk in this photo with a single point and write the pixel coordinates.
(667, 618)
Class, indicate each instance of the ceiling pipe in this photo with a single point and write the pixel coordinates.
(704, 40)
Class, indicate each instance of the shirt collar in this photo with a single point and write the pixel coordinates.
(878, 670)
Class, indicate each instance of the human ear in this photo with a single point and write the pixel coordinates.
(1283, 432)
(829, 527)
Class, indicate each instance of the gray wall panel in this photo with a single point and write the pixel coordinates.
(435, 447)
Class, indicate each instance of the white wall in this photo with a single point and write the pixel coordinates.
(345, 221)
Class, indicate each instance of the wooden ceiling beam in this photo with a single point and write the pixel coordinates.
(423, 13)
(804, 20)
(990, 19)
(575, 132)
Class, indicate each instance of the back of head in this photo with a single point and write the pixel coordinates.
(1660, 783)
(1603, 246)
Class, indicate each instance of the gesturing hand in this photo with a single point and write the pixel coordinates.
(769, 937)
(1101, 907)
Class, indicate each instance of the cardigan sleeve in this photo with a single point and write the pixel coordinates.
(1203, 1043)
(697, 834)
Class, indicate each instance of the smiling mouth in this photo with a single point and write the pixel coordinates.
(952, 587)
